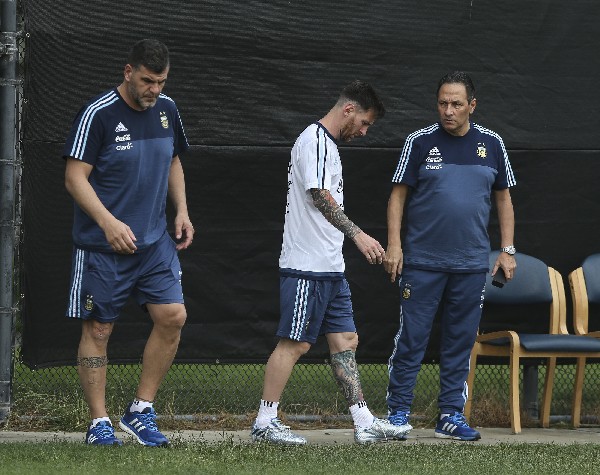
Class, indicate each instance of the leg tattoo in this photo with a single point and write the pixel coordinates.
(345, 372)
(92, 361)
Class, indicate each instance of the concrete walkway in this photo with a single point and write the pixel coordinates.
(334, 436)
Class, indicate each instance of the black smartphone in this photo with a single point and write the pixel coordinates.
(499, 278)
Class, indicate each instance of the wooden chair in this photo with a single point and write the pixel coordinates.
(527, 319)
(585, 292)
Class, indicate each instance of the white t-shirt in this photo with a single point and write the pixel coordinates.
(310, 242)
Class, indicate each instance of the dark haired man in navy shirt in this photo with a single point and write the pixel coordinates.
(122, 160)
(442, 189)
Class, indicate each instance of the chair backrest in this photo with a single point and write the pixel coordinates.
(591, 274)
(585, 293)
(532, 302)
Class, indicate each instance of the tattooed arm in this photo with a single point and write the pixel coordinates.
(333, 213)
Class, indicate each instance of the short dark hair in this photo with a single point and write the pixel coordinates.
(151, 54)
(364, 96)
(458, 77)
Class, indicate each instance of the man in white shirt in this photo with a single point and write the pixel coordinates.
(314, 294)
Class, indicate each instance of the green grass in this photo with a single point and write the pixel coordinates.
(227, 457)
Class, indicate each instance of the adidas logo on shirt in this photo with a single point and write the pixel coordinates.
(121, 128)
(434, 159)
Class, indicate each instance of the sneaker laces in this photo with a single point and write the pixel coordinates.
(277, 424)
(104, 430)
(399, 418)
(149, 420)
(459, 419)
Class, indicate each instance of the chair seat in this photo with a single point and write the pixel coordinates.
(553, 343)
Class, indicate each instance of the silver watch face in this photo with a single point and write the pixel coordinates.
(509, 250)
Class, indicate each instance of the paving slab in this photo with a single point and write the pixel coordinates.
(335, 436)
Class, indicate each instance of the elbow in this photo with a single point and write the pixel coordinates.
(69, 184)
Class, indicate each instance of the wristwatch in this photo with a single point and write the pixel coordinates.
(510, 250)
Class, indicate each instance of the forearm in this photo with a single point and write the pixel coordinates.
(506, 218)
(177, 187)
(395, 212)
(333, 213)
(86, 198)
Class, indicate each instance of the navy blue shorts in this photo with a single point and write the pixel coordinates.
(310, 308)
(101, 282)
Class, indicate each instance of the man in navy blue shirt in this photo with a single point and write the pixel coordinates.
(442, 189)
(122, 160)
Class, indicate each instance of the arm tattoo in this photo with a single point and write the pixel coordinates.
(345, 372)
(333, 213)
(92, 361)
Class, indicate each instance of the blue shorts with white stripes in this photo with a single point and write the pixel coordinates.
(101, 282)
(310, 308)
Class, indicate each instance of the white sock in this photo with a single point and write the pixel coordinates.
(99, 419)
(361, 415)
(266, 411)
(138, 405)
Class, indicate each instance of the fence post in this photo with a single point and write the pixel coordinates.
(8, 168)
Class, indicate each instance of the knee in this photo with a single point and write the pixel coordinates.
(343, 342)
(353, 343)
(178, 318)
(293, 348)
(98, 332)
(171, 318)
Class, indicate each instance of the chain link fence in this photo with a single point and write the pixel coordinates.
(229, 394)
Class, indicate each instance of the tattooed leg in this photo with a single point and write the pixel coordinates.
(91, 365)
(92, 361)
(345, 372)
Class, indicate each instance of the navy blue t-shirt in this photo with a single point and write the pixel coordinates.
(131, 152)
(447, 212)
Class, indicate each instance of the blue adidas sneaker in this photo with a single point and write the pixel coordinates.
(455, 427)
(400, 419)
(142, 425)
(102, 434)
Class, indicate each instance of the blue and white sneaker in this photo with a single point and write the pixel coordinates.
(455, 427)
(400, 419)
(102, 433)
(142, 425)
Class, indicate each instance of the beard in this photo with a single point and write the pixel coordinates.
(145, 102)
(346, 133)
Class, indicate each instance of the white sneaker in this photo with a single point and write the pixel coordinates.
(380, 431)
(276, 433)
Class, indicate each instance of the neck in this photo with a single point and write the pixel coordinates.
(122, 88)
(332, 123)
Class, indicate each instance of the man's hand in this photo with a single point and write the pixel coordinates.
(184, 232)
(119, 236)
(369, 247)
(507, 263)
(394, 259)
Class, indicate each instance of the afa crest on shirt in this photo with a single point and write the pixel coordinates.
(406, 293)
(164, 121)
(481, 150)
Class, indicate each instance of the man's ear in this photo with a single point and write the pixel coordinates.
(127, 72)
(473, 105)
(349, 108)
